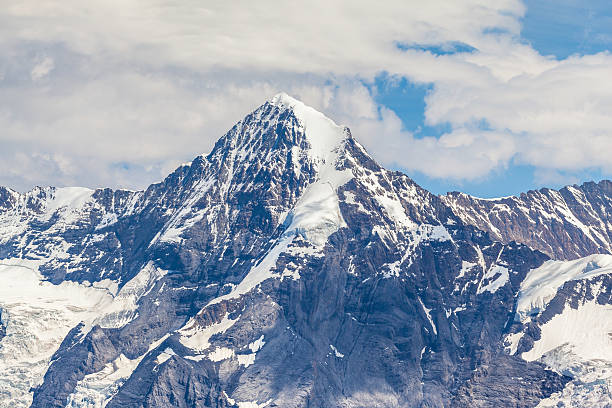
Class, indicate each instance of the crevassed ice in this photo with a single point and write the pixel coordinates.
(575, 342)
(39, 315)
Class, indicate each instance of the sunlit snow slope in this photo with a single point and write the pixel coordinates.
(566, 311)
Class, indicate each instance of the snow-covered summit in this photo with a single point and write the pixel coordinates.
(322, 136)
(322, 133)
(317, 213)
(282, 123)
(283, 98)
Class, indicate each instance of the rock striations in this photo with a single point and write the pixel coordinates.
(284, 269)
(567, 224)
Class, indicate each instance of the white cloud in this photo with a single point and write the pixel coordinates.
(460, 154)
(556, 112)
(137, 87)
(42, 68)
(342, 37)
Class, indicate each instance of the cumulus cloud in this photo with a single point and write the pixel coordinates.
(102, 93)
(556, 112)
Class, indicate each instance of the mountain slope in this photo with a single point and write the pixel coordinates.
(563, 320)
(573, 222)
(284, 269)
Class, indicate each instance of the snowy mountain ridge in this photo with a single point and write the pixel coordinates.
(284, 269)
(567, 224)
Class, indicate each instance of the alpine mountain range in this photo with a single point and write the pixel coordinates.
(287, 268)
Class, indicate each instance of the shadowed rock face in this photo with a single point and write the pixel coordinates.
(573, 222)
(284, 269)
(2, 325)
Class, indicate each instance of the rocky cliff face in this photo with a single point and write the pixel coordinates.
(284, 269)
(573, 222)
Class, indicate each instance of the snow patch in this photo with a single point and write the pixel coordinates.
(512, 341)
(465, 267)
(541, 284)
(350, 198)
(256, 345)
(199, 357)
(427, 232)
(428, 314)
(197, 338)
(587, 329)
(164, 356)
(246, 359)
(317, 214)
(391, 269)
(258, 273)
(502, 278)
(336, 352)
(246, 404)
(220, 354)
(187, 217)
(124, 306)
(68, 199)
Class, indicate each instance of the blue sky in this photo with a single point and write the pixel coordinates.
(490, 98)
(567, 27)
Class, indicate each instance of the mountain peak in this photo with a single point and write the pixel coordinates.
(256, 275)
(323, 134)
(280, 126)
(283, 99)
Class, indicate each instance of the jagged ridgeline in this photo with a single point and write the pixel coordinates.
(284, 269)
(573, 222)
